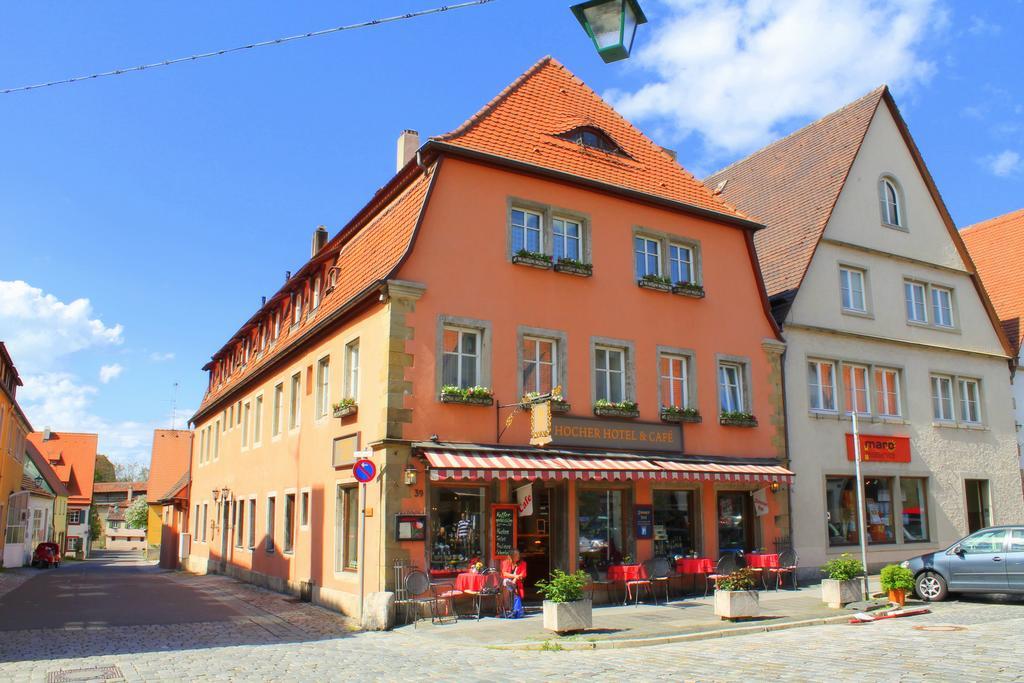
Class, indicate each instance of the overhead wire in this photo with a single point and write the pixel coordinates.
(250, 46)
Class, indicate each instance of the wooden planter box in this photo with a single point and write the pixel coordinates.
(560, 407)
(688, 291)
(531, 261)
(838, 593)
(737, 422)
(346, 411)
(470, 401)
(568, 617)
(658, 286)
(679, 417)
(616, 412)
(737, 604)
(573, 269)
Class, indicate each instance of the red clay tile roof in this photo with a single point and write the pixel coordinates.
(524, 122)
(997, 249)
(29, 484)
(73, 458)
(44, 468)
(172, 454)
(793, 184)
(118, 486)
(178, 489)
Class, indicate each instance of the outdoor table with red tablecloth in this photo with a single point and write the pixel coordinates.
(626, 572)
(763, 560)
(469, 582)
(443, 573)
(695, 565)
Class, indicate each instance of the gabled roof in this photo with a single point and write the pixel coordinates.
(171, 456)
(525, 121)
(997, 248)
(793, 185)
(73, 458)
(47, 472)
(178, 490)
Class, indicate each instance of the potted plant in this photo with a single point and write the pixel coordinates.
(736, 597)
(658, 282)
(574, 267)
(842, 585)
(677, 414)
(896, 581)
(476, 395)
(603, 408)
(688, 289)
(345, 407)
(532, 258)
(565, 608)
(737, 418)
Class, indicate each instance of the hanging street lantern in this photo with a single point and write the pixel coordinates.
(611, 24)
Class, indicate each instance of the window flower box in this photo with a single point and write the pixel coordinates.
(532, 258)
(604, 408)
(656, 282)
(557, 405)
(574, 267)
(676, 414)
(474, 396)
(691, 289)
(735, 418)
(346, 408)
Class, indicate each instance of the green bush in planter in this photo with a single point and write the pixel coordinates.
(843, 568)
(740, 580)
(564, 587)
(895, 578)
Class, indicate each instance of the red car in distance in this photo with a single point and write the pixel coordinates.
(46, 555)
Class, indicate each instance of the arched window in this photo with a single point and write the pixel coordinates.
(592, 137)
(890, 201)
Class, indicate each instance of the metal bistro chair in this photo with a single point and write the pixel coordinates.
(727, 564)
(417, 592)
(491, 590)
(659, 571)
(788, 562)
(635, 585)
(444, 594)
(595, 581)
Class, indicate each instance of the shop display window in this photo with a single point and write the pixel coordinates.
(458, 527)
(675, 524)
(915, 510)
(841, 500)
(604, 533)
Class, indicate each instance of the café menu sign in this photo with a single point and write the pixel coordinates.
(616, 434)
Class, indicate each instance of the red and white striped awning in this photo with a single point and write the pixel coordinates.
(477, 465)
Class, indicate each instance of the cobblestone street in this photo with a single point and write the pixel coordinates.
(271, 637)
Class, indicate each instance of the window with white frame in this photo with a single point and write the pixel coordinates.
(821, 384)
(277, 324)
(278, 409)
(674, 381)
(252, 524)
(461, 357)
(942, 306)
(323, 389)
(527, 231)
(855, 383)
(271, 505)
(730, 388)
(680, 263)
(970, 400)
(887, 392)
(852, 287)
(540, 365)
(942, 398)
(294, 403)
(216, 440)
(648, 256)
(914, 294)
(257, 421)
(567, 238)
(202, 445)
(245, 424)
(610, 374)
(296, 307)
(352, 370)
(889, 200)
(316, 293)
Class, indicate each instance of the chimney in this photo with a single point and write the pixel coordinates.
(46, 434)
(671, 152)
(319, 240)
(287, 275)
(263, 301)
(408, 143)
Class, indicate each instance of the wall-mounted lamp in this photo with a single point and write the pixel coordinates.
(226, 493)
(216, 495)
(774, 486)
(410, 476)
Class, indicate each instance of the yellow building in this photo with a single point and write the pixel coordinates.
(14, 427)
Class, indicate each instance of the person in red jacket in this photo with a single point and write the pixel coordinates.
(513, 571)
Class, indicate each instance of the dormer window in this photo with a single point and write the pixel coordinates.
(890, 202)
(592, 137)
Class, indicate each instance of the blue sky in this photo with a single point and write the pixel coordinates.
(143, 216)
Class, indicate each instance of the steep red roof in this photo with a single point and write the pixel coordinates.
(73, 457)
(997, 249)
(172, 453)
(524, 122)
(47, 472)
(137, 487)
(792, 186)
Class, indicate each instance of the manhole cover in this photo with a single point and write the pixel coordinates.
(940, 628)
(96, 673)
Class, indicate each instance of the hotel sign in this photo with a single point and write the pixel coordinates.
(616, 434)
(874, 448)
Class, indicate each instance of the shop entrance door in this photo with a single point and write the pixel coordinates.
(542, 535)
(735, 521)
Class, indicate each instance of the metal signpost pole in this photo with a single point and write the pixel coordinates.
(861, 517)
(362, 551)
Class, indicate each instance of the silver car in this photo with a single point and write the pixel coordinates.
(988, 561)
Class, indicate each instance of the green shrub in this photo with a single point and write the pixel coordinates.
(740, 580)
(564, 587)
(843, 568)
(736, 415)
(895, 577)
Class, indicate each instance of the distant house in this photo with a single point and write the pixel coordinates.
(117, 535)
(107, 495)
(73, 457)
(168, 476)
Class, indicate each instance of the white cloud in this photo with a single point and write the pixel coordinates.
(979, 27)
(1005, 163)
(158, 357)
(109, 372)
(39, 328)
(735, 70)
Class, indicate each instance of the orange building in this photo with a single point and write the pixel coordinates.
(167, 487)
(73, 457)
(545, 243)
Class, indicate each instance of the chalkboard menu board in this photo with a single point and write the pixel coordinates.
(503, 530)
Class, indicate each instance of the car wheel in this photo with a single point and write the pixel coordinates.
(931, 587)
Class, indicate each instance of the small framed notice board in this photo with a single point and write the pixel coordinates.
(504, 529)
(410, 527)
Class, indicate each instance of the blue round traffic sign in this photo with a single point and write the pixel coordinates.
(364, 470)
